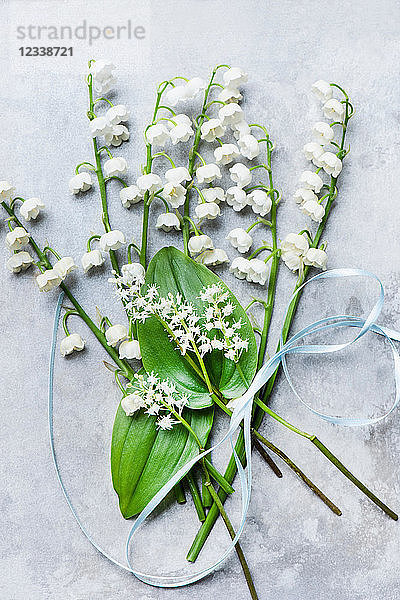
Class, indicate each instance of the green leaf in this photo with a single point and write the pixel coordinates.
(174, 272)
(143, 458)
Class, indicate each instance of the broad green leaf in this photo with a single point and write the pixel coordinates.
(174, 272)
(143, 458)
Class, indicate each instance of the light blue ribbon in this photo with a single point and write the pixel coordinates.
(242, 413)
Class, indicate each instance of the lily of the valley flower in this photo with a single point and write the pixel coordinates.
(316, 258)
(311, 181)
(239, 267)
(20, 261)
(149, 183)
(194, 86)
(294, 247)
(131, 403)
(212, 129)
(181, 129)
(207, 210)
(130, 195)
(253, 270)
(112, 240)
(130, 349)
(236, 197)
(322, 90)
(207, 173)
(292, 260)
(115, 167)
(235, 77)
(249, 146)
(230, 114)
(167, 222)
(91, 259)
(313, 152)
(17, 238)
(115, 334)
(213, 258)
(333, 109)
(177, 175)
(213, 194)
(314, 210)
(117, 114)
(303, 195)
(64, 266)
(133, 272)
(229, 94)
(99, 126)
(225, 154)
(174, 193)
(176, 94)
(117, 135)
(80, 183)
(157, 134)
(240, 239)
(322, 133)
(199, 243)
(103, 78)
(48, 280)
(331, 164)
(31, 208)
(71, 343)
(6, 190)
(240, 129)
(240, 174)
(260, 202)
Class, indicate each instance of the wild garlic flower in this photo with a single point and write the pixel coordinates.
(313, 152)
(71, 343)
(207, 210)
(212, 129)
(331, 164)
(177, 175)
(31, 208)
(168, 221)
(117, 114)
(240, 174)
(6, 190)
(157, 134)
(174, 193)
(260, 202)
(64, 266)
(207, 173)
(48, 280)
(322, 133)
(130, 349)
(240, 239)
(199, 243)
(225, 154)
(230, 114)
(213, 258)
(112, 240)
(80, 183)
(323, 90)
(115, 334)
(17, 238)
(116, 135)
(115, 167)
(303, 195)
(249, 146)
(236, 197)
(333, 109)
(99, 126)
(149, 183)
(316, 258)
(311, 181)
(314, 210)
(93, 258)
(234, 77)
(229, 94)
(130, 195)
(20, 261)
(213, 194)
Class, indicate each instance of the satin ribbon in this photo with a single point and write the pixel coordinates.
(242, 413)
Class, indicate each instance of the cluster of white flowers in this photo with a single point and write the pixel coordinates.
(111, 240)
(52, 278)
(296, 252)
(253, 270)
(157, 397)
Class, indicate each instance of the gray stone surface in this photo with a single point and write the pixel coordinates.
(295, 547)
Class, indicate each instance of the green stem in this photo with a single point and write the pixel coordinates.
(196, 496)
(179, 493)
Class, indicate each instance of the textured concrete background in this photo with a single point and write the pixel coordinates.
(295, 547)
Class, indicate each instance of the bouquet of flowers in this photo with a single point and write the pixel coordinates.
(187, 354)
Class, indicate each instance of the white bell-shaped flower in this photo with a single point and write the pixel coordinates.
(117, 114)
(102, 73)
(303, 195)
(20, 261)
(149, 183)
(240, 239)
(292, 260)
(212, 129)
(333, 109)
(230, 94)
(230, 114)
(130, 349)
(199, 243)
(235, 77)
(71, 343)
(213, 258)
(240, 129)
(176, 94)
(240, 267)
(194, 86)
(48, 280)
(115, 334)
(175, 194)
(207, 173)
(80, 183)
(213, 194)
(64, 266)
(133, 272)
(295, 243)
(6, 190)
(236, 198)
(311, 181)
(314, 210)
(130, 195)
(99, 126)
(257, 271)
(316, 258)
(260, 202)
(17, 238)
(313, 152)
(240, 174)
(331, 164)
(131, 403)
(157, 134)
(117, 135)
(249, 146)
(180, 133)
(322, 133)
(115, 167)
(93, 258)
(167, 222)
(322, 90)
(207, 210)
(31, 208)
(225, 154)
(177, 175)
(112, 240)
